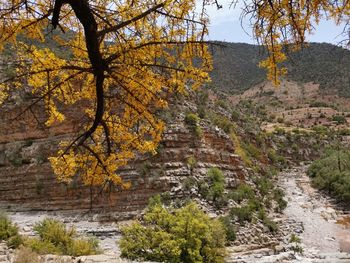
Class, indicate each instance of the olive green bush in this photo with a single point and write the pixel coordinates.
(242, 192)
(186, 234)
(332, 174)
(217, 184)
(55, 238)
(9, 232)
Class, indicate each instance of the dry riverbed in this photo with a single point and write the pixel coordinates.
(325, 233)
(323, 230)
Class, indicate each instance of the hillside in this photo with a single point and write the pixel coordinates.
(236, 67)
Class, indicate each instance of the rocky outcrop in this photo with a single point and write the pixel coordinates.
(27, 181)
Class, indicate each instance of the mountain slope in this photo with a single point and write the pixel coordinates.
(236, 67)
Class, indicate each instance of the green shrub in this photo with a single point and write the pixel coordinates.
(339, 119)
(252, 150)
(344, 132)
(42, 246)
(262, 215)
(198, 131)
(229, 228)
(254, 204)
(280, 120)
(294, 239)
(264, 185)
(203, 188)
(55, 232)
(279, 131)
(242, 214)
(278, 197)
(7, 228)
(221, 121)
(318, 104)
(81, 247)
(191, 162)
(201, 110)
(56, 238)
(222, 104)
(320, 129)
(14, 241)
(216, 175)
(297, 249)
(243, 191)
(332, 174)
(275, 158)
(178, 235)
(189, 183)
(216, 186)
(191, 119)
(235, 115)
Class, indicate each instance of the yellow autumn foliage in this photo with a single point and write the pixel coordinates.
(124, 58)
(146, 51)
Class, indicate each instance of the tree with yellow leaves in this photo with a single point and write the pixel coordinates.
(125, 58)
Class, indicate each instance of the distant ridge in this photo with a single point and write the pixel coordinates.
(236, 67)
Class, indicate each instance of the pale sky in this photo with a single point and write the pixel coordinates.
(225, 25)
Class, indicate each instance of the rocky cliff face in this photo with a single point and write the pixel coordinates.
(27, 181)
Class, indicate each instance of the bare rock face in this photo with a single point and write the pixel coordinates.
(27, 182)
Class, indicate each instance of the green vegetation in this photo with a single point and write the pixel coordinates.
(174, 235)
(211, 188)
(242, 214)
(276, 158)
(191, 162)
(216, 184)
(295, 241)
(252, 150)
(221, 121)
(339, 119)
(236, 67)
(332, 174)
(192, 120)
(230, 229)
(243, 191)
(56, 238)
(9, 232)
(278, 195)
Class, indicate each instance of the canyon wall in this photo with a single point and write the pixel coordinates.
(27, 181)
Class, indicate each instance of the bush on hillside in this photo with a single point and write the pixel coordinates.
(243, 191)
(332, 174)
(191, 119)
(217, 184)
(230, 228)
